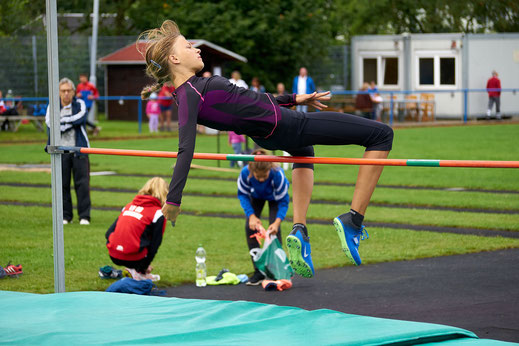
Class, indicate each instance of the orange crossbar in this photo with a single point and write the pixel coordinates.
(295, 159)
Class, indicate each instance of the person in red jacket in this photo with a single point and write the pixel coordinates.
(88, 93)
(134, 238)
(494, 95)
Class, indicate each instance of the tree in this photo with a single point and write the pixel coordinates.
(358, 17)
(275, 36)
(15, 15)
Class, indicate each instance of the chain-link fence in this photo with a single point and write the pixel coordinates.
(24, 61)
(332, 71)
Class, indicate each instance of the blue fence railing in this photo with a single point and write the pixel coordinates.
(391, 93)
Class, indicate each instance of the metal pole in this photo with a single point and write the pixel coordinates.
(346, 50)
(55, 138)
(93, 56)
(465, 105)
(391, 109)
(93, 46)
(35, 63)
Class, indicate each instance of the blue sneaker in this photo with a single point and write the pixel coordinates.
(350, 236)
(299, 252)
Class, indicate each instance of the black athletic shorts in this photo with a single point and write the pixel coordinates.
(297, 132)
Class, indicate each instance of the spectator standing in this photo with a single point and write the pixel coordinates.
(88, 93)
(261, 182)
(303, 84)
(73, 116)
(236, 80)
(256, 85)
(166, 102)
(153, 113)
(494, 96)
(235, 140)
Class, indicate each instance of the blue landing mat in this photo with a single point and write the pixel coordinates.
(116, 318)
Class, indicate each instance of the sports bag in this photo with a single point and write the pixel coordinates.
(271, 260)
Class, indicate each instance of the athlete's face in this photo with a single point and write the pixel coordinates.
(261, 176)
(184, 54)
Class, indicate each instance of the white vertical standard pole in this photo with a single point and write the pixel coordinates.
(55, 139)
(93, 56)
(93, 45)
(35, 65)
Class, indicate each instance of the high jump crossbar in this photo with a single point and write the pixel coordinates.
(295, 159)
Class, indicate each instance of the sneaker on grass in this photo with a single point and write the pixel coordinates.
(12, 270)
(299, 251)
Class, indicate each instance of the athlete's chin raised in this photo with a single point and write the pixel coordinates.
(200, 67)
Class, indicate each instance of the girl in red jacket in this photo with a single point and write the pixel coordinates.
(135, 237)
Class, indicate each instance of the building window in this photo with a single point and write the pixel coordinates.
(426, 71)
(436, 71)
(390, 68)
(370, 70)
(447, 71)
(382, 70)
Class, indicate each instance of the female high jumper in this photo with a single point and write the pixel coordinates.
(217, 103)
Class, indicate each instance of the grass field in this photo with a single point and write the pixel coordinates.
(413, 200)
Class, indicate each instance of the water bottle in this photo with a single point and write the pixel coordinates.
(201, 270)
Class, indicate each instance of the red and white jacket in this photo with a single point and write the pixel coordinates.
(138, 228)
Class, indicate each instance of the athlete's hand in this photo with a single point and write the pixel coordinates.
(254, 223)
(313, 99)
(274, 227)
(170, 212)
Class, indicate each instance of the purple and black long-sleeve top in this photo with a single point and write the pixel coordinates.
(221, 105)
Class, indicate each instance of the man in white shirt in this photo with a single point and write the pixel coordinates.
(303, 84)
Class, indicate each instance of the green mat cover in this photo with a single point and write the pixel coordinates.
(116, 318)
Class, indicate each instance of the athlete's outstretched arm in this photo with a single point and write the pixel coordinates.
(188, 115)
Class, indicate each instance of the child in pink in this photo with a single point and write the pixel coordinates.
(153, 112)
(235, 140)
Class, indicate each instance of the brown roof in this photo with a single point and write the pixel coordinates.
(130, 55)
(125, 55)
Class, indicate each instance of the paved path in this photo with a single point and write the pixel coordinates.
(478, 292)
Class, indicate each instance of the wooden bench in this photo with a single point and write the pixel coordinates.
(16, 120)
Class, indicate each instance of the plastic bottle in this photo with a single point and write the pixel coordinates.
(201, 270)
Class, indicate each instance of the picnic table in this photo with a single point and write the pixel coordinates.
(16, 120)
(411, 107)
